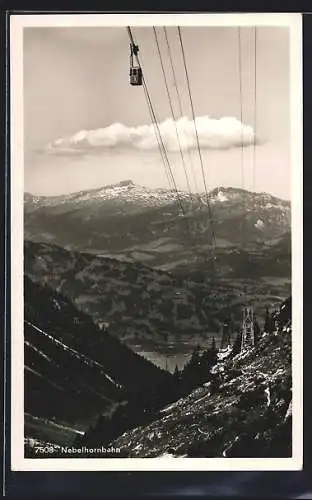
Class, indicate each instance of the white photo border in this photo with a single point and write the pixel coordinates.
(17, 23)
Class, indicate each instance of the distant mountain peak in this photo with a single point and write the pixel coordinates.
(126, 183)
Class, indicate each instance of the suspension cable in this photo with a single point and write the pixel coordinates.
(172, 112)
(241, 105)
(169, 174)
(157, 138)
(162, 147)
(255, 108)
(175, 83)
(198, 145)
(244, 201)
(158, 135)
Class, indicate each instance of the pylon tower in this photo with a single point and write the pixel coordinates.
(248, 335)
(226, 334)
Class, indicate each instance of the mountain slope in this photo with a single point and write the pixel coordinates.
(73, 370)
(143, 305)
(244, 412)
(140, 224)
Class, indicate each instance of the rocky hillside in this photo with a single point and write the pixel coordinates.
(244, 409)
(73, 369)
(144, 305)
(139, 224)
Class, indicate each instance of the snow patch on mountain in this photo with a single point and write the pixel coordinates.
(259, 224)
(221, 197)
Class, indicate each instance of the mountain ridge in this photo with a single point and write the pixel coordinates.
(128, 183)
(145, 225)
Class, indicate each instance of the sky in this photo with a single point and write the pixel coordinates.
(76, 89)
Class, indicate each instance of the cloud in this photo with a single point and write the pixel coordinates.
(223, 133)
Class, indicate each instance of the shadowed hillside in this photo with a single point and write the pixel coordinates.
(73, 369)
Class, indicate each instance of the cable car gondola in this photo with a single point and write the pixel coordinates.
(136, 76)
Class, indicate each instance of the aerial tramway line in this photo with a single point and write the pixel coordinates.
(248, 319)
(163, 152)
(137, 79)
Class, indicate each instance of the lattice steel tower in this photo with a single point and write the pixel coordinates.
(248, 334)
(226, 333)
